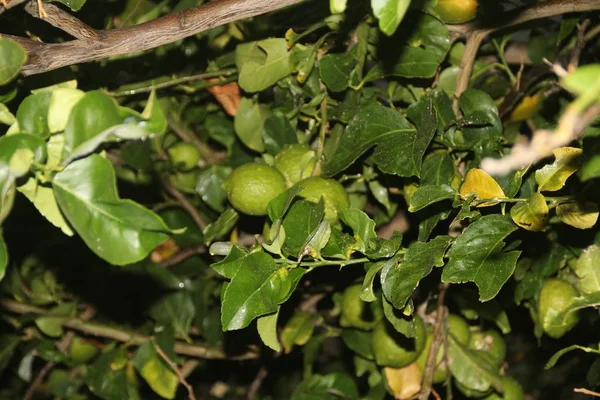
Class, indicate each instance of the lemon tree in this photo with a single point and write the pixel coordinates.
(299, 199)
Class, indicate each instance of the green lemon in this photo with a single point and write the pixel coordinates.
(333, 193)
(295, 162)
(491, 344)
(453, 11)
(512, 390)
(556, 297)
(252, 186)
(357, 313)
(392, 349)
(81, 352)
(184, 155)
(459, 328)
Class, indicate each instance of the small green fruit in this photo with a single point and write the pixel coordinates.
(471, 393)
(252, 186)
(556, 297)
(333, 193)
(184, 155)
(392, 349)
(295, 162)
(512, 390)
(459, 328)
(453, 11)
(491, 344)
(357, 313)
(81, 352)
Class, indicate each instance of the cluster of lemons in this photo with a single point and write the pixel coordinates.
(252, 186)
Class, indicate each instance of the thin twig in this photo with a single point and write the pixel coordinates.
(183, 255)
(586, 391)
(188, 367)
(579, 46)
(321, 140)
(128, 336)
(257, 382)
(184, 202)
(177, 371)
(439, 334)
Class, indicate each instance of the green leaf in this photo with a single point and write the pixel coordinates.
(425, 44)
(209, 186)
(591, 152)
(297, 331)
(428, 195)
(587, 270)
(473, 309)
(335, 70)
(400, 277)
(362, 227)
(402, 323)
(278, 132)
(544, 264)
(32, 114)
(481, 139)
(74, 5)
(13, 57)
(257, 75)
(249, 123)
(3, 262)
(584, 80)
(389, 13)
(267, 330)
(556, 356)
(8, 344)
(336, 385)
(282, 202)
(378, 248)
(300, 223)
(106, 376)
(581, 215)
(471, 369)
(175, 309)
(531, 215)
(223, 225)
(119, 231)
(62, 101)
(394, 138)
(367, 293)
(94, 113)
(476, 256)
(438, 169)
(257, 288)
(233, 262)
(358, 341)
(337, 6)
(552, 177)
(155, 371)
(6, 117)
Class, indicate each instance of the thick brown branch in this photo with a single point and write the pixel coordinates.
(63, 21)
(146, 36)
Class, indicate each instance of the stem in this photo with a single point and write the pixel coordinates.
(314, 264)
(321, 140)
(127, 336)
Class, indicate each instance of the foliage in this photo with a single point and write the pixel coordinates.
(315, 203)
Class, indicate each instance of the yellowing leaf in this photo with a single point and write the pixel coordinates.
(531, 215)
(483, 185)
(587, 270)
(553, 177)
(582, 215)
(527, 108)
(404, 382)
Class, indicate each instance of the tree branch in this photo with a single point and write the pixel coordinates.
(64, 21)
(128, 336)
(99, 44)
(476, 33)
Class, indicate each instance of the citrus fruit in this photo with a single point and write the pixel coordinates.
(357, 313)
(453, 11)
(392, 349)
(489, 343)
(471, 393)
(556, 297)
(80, 351)
(184, 156)
(512, 390)
(459, 328)
(252, 186)
(333, 193)
(295, 162)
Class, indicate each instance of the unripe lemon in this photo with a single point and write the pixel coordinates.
(491, 344)
(333, 193)
(252, 186)
(512, 390)
(184, 155)
(357, 313)
(453, 11)
(295, 162)
(556, 297)
(81, 352)
(459, 328)
(393, 349)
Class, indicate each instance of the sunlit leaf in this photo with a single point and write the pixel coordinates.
(587, 270)
(531, 215)
(267, 330)
(581, 215)
(258, 75)
(482, 185)
(389, 13)
(13, 57)
(552, 177)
